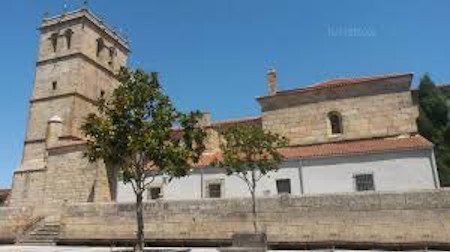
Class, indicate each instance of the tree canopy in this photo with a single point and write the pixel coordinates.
(250, 152)
(434, 124)
(133, 132)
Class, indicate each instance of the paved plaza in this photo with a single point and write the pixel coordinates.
(77, 249)
(107, 249)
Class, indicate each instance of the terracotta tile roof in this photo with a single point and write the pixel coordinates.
(358, 147)
(339, 82)
(445, 86)
(355, 147)
(208, 158)
(255, 120)
(5, 194)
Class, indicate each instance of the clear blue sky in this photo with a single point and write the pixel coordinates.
(213, 55)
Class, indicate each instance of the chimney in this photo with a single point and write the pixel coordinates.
(205, 120)
(272, 81)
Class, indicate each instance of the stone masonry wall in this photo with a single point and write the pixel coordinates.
(362, 117)
(28, 188)
(13, 221)
(377, 218)
(72, 178)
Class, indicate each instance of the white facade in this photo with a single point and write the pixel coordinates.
(391, 171)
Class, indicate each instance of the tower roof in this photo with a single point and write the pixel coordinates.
(89, 16)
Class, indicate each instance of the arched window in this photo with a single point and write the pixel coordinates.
(335, 120)
(54, 40)
(68, 34)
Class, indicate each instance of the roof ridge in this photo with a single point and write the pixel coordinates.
(242, 119)
(337, 82)
(356, 140)
(226, 121)
(370, 77)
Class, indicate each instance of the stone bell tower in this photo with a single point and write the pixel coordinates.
(77, 61)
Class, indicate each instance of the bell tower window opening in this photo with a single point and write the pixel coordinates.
(54, 85)
(100, 46)
(68, 34)
(54, 41)
(112, 54)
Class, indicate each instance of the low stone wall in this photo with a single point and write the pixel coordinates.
(13, 221)
(373, 219)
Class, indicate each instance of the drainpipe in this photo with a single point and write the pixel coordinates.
(300, 175)
(201, 182)
(434, 170)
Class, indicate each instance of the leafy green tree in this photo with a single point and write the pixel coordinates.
(433, 123)
(133, 133)
(249, 152)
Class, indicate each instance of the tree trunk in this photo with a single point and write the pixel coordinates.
(255, 226)
(140, 223)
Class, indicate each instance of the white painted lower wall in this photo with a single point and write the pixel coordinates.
(392, 171)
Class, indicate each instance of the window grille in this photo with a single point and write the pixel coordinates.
(214, 190)
(364, 182)
(154, 193)
(284, 186)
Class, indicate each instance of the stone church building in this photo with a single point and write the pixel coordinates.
(346, 135)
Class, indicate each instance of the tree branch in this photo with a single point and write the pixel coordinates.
(260, 176)
(245, 179)
(133, 186)
(150, 182)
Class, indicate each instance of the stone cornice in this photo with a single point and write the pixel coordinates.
(41, 140)
(78, 143)
(32, 141)
(59, 149)
(337, 89)
(75, 55)
(78, 95)
(30, 170)
(274, 102)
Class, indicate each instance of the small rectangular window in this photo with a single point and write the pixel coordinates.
(364, 182)
(54, 85)
(214, 190)
(154, 193)
(284, 186)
